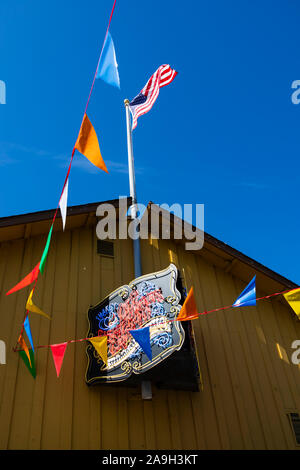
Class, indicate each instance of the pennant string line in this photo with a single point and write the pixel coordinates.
(26, 315)
(241, 304)
(68, 342)
(53, 220)
(73, 152)
(205, 312)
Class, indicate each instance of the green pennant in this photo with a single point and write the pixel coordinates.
(45, 252)
(31, 369)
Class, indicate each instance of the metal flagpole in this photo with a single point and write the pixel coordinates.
(133, 209)
(146, 385)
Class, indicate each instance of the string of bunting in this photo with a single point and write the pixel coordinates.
(88, 145)
(187, 312)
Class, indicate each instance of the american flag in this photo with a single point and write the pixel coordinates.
(144, 101)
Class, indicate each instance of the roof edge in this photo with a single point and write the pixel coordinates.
(91, 207)
(238, 254)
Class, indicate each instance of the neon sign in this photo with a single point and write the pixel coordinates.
(151, 300)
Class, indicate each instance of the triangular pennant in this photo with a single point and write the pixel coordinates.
(189, 308)
(32, 276)
(87, 144)
(28, 331)
(33, 308)
(31, 365)
(45, 252)
(248, 297)
(293, 299)
(63, 204)
(100, 344)
(142, 337)
(108, 67)
(24, 347)
(58, 352)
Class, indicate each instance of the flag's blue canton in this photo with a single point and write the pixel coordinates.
(139, 99)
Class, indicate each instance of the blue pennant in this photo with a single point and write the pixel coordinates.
(108, 67)
(142, 337)
(28, 331)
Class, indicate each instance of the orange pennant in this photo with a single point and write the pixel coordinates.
(189, 309)
(23, 345)
(87, 144)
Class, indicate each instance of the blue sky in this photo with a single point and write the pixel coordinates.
(225, 133)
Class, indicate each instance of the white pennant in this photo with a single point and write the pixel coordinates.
(63, 204)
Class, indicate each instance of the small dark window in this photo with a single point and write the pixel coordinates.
(105, 248)
(295, 423)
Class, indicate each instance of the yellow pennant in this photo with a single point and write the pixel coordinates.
(293, 299)
(100, 344)
(23, 345)
(33, 308)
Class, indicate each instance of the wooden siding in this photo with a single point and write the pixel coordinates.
(249, 382)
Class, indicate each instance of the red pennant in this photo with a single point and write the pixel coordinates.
(32, 276)
(58, 352)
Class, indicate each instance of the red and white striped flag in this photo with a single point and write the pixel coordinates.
(144, 101)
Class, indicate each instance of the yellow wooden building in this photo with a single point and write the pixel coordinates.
(249, 395)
